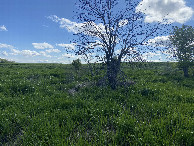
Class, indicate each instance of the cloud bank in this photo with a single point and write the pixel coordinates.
(24, 52)
(170, 10)
(29, 53)
(160, 41)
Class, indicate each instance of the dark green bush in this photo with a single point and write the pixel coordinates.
(77, 64)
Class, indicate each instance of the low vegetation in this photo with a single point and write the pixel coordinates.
(36, 107)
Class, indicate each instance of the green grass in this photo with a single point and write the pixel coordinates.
(36, 108)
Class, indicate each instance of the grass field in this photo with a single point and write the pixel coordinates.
(36, 107)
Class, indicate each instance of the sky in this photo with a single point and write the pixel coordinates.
(39, 31)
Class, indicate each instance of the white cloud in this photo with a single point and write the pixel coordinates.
(151, 54)
(87, 28)
(24, 52)
(6, 46)
(4, 53)
(123, 23)
(68, 55)
(65, 23)
(170, 10)
(44, 54)
(68, 46)
(3, 28)
(15, 52)
(160, 41)
(29, 53)
(53, 50)
(42, 45)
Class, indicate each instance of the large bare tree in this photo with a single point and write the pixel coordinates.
(113, 31)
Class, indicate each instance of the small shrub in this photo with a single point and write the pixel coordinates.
(77, 64)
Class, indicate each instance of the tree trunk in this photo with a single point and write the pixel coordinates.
(185, 70)
(113, 68)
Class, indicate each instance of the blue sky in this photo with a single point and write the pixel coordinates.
(33, 31)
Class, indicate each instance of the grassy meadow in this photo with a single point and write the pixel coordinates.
(37, 107)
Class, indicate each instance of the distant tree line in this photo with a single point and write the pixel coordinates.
(5, 61)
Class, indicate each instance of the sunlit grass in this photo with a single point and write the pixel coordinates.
(37, 109)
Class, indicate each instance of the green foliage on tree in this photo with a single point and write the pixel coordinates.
(77, 64)
(183, 39)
